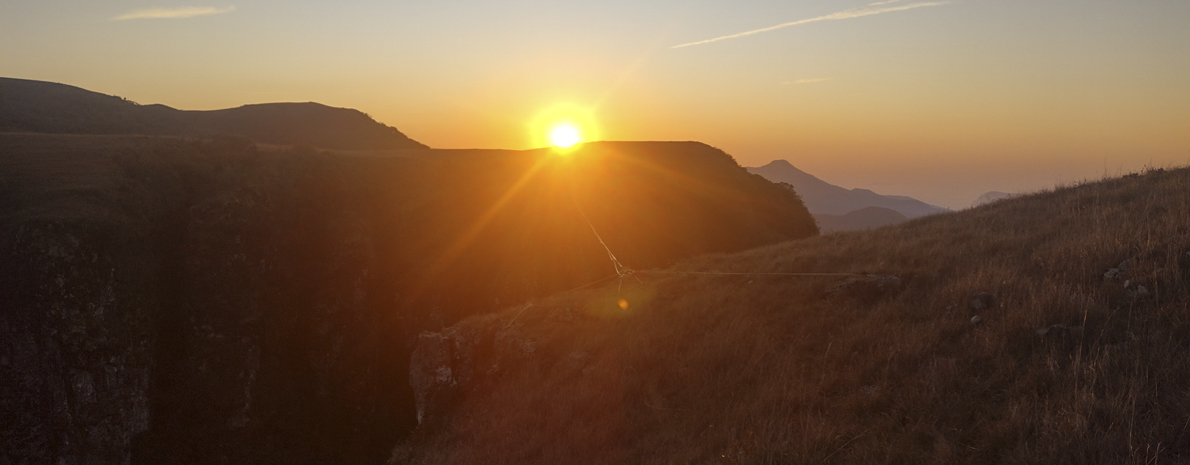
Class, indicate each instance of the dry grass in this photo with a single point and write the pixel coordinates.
(763, 369)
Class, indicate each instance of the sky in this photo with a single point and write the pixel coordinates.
(940, 100)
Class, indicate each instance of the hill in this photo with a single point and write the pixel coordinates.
(864, 218)
(176, 300)
(992, 196)
(45, 107)
(823, 198)
(1078, 355)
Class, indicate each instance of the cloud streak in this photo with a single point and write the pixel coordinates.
(173, 13)
(873, 9)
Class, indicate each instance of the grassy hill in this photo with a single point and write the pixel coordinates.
(1080, 354)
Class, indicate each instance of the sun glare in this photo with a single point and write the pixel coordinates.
(565, 135)
(564, 127)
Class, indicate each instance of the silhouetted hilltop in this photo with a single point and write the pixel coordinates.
(45, 107)
(864, 218)
(822, 197)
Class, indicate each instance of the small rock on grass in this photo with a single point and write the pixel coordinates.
(1126, 264)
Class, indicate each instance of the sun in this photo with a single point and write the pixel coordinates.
(565, 135)
(564, 127)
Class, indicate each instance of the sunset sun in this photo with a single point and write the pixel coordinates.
(565, 135)
(563, 126)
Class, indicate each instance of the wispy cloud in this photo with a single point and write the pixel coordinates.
(174, 13)
(873, 9)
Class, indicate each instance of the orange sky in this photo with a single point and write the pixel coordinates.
(940, 100)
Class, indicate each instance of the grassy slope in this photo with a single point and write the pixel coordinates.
(729, 369)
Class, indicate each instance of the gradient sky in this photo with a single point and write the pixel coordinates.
(940, 100)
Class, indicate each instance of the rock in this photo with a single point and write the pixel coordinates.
(981, 301)
(1126, 264)
(445, 365)
(1142, 291)
(439, 364)
(975, 320)
(1112, 275)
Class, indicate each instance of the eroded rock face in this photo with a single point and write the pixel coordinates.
(440, 363)
(447, 364)
(76, 343)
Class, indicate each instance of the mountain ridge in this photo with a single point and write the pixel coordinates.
(47, 107)
(825, 198)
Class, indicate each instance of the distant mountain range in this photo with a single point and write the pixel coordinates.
(841, 209)
(46, 107)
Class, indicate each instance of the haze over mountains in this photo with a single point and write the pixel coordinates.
(46, 107)
(841, 209)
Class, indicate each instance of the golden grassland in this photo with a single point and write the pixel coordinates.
(780, 369)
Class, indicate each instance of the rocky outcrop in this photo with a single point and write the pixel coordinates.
(447, 364)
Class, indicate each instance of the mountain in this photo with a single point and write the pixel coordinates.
(992, 196)
(45, 107)
(1083, 330)
(823, 198)
(200, 301)
(864, 218)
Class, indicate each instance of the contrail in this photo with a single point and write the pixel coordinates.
(173, 13)
(845, 14)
